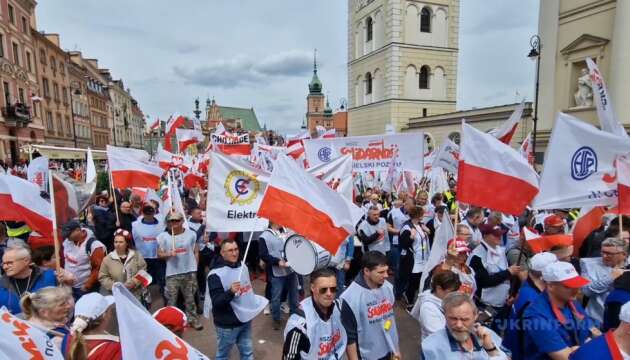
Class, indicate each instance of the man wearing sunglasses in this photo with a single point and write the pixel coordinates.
(367, 312)
(315, 331)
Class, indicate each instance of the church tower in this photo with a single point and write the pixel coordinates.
(402, 61)
(315, 101)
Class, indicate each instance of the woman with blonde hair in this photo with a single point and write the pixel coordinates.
(90, 334)
(50, 309)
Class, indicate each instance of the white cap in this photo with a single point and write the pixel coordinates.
(563, 272)
(624, 314)
(539, 261)
(92, 305)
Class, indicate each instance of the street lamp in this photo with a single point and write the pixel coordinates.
(534, 54)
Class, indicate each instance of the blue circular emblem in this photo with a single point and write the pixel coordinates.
(241, 186)
(583, 163)
(324, 154)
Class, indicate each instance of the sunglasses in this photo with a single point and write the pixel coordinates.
(175, 220)
(122, 232)
(324, 290)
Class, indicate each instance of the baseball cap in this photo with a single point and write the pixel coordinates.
(171, 317)
(554, 220)
(92, 305)
(564, 272)
(457, 246)
(539, 261)
(624, 313)
(174, 215)
(495, 230)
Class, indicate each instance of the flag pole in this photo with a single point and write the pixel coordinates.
(51, 191)
(251, 235)
(620, 225)
(111, 182)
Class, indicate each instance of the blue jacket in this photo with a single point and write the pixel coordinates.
(514, 337)
(601, 348)
(612, 306)
(40, 278)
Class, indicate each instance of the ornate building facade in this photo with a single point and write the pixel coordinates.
(402, 61)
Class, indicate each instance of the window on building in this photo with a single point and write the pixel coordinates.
(16, 54)
(68, 126)
(46, 87)
(368, 84)
(53, 65)
(425, 20)
(21, 96)
(42, 56)
(1, 45)
(424, 112)
(49, 122)
(7, 93)
(55, 91)
(424, 77)
(369, 29)
(64, 95)
(29, 64)
(11, 15)
(24, 25)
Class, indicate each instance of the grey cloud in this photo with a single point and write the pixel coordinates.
(292, 63)
(187, 48)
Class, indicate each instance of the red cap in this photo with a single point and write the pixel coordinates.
(495, 230)
(554, 220)
(457, 246)
(171, 317)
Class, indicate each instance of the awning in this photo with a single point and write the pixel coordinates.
(54, 152)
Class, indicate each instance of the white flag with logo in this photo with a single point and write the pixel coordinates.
(337, 174)
(144, 338)
(579, 166)
(37, 172)
(21, 340)
(607, 119)
(447, 156)
(235, 190)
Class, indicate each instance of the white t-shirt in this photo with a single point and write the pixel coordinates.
(184, 246)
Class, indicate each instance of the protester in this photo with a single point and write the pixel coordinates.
(474, 218)
(84, 255)
(492, 274)
(315, 331)
(554, 225)
(206, 249)
(449, 195)
(372, 232)
(44, 257)
(145, 232)
(534, 285)
(172, 318)
(234, 303)
(178, 248)
(90, 333)
(615, 300)
(367, 312)
(614, 345)
(415, 248)
(126, 216)
(435, 221)
(135, 201)
(395, 219)
(559, 324)
(462, 338)
(50, 310)
(104, 217)
(431, 314)
(457, 251)
(602, 272)
(20, 278)
(282, 277)
(122, 265)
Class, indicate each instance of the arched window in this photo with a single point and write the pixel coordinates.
(455, 137)
(369, 29)
(425, 20)
(368, 84)
(424, 77)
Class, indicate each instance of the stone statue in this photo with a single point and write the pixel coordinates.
(584, 95)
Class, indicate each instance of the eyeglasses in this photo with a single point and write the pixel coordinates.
(175, 220)
(324, 290)
(606, 253)
(122, 232)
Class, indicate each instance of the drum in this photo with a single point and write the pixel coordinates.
(305, 256)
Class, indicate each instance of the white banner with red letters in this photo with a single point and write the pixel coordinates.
(370, 153)
(21, 340)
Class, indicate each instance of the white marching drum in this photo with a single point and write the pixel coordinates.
(305, 256)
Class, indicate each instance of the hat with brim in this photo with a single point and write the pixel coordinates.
(174, 215)
(564, 273)
(92, 305)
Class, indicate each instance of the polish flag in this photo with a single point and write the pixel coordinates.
(195, 177)
(21, 201)
(144, 278)
(534, 240)
(293, 139)
(128, 172)
(589, 220)
(174, 122)
(187, 137)
(539, 243)
(298, 200)
(623, 184)
(491, 174)
(296, 151)
(329, 134)
(155, 124)
(220, 129)
(527, 150)
(167, 160)
(506, 131)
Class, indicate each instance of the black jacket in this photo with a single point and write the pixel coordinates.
(222, 313)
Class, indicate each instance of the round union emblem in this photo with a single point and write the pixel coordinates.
(583, 163)
(241, 188)
(324, 154)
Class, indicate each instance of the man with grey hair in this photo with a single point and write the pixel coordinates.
(602, 272)
(463, 337)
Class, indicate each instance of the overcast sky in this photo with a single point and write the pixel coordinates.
(252, 53)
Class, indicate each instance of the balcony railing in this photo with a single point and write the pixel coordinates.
(17, 115)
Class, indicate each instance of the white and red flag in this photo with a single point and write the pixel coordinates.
(187, 137)
(506, 131)
(174, 122)
(155, 125)
(607, 119)
(580, 169)
(447, 156)
(491, 174)
(623, 184)
(142, 337)
(231, 144)
(329, 134)
(167, 160)
(21, 340)
(37, 172)
(527, 150)
(129, 172)
(298, 200)
(297, 138)
(21, 201)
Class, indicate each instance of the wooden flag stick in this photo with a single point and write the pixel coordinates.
(251, 234)
(51, 191)
(111, 182)
(620, 226)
